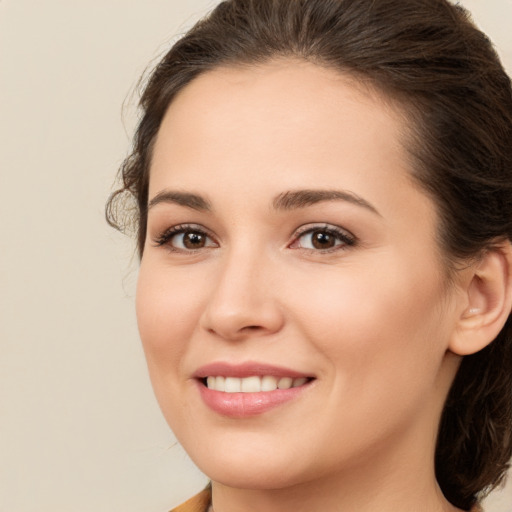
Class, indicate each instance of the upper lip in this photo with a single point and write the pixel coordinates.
(246, 369)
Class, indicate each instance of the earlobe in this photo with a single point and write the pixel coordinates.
(488, 291)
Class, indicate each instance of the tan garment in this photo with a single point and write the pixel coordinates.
(200, 503)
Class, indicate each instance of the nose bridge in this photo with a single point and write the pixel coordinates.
(242, 301)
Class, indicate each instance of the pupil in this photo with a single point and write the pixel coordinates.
(322, 240)
(193, 240)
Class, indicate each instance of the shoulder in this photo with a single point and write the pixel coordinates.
(199, 503)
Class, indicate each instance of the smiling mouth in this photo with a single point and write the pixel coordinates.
(253, 384)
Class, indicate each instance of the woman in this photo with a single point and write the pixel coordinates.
(324, 214)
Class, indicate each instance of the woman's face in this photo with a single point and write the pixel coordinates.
(288, 246)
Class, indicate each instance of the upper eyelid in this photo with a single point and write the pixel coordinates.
(306, 228)
(163, 236)
(185, 226)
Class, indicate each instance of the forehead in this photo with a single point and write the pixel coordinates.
(279, 96)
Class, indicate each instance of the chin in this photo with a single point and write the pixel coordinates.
(255, 469)
(254, 478)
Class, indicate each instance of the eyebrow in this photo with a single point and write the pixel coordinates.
(187, 199)
(295, 199)
(290, 200)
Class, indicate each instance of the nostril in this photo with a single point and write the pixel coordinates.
(252, 328)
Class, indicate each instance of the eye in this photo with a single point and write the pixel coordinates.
(185, 238)
(323, 238)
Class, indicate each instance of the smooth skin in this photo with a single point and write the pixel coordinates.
(368, 312)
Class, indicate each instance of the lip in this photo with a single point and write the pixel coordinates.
(245, 405)
(246, 369)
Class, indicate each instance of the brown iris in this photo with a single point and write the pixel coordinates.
(194, 240)
(322, 240)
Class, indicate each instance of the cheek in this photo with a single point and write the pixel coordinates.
(371, 323)
(167, 306)
(381, 335)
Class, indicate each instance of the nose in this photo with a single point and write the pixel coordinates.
(244, 301)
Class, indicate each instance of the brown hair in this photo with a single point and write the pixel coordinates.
(443, 71)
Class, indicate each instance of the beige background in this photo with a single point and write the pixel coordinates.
(79, 427)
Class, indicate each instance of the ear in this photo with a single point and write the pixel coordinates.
(488, 300)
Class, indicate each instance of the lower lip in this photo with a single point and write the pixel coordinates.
(243, 405)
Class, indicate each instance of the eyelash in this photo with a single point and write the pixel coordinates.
(341, 235)
(166, 236)
(346, 238)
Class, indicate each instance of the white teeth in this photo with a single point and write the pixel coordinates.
(233, 385)
(268, 383)
(299, 382)
(210, 382)
(217, 383)
(285, 383)
(220, 383)
(253, 384)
